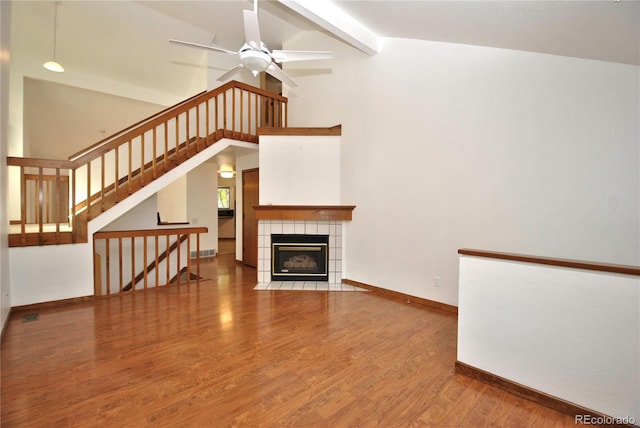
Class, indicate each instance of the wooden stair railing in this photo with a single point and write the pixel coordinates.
(112, 169)
(167, 253)
(123, 257)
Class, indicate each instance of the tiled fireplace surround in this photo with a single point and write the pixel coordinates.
(302, 220)
(333, 228)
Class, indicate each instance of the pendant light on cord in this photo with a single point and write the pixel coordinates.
(53, 65)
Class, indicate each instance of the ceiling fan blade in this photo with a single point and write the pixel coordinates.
(288, 56)
(230, 73)
(198, 45)
(251, 28)
(277, 72)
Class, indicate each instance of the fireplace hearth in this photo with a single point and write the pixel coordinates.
(299, 257)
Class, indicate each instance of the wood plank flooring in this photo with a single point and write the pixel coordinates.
(222, 354)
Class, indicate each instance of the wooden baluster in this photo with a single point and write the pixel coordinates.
(73, 199)
(116, 183)
(133, 263)
(198, 257)
(120, 269)
(153, 161)
(241, 113)
(46, 200)
(207, 127)
(188, 137)
(40, 197)
(157, 262)
(144, 269)
(224, 110)
(197, 127)
(257, 108)
(177, 137)
(166, 146)
(216, 112)
(129, 174)
(57, 204)
(88, 189)
(188, 259)
(108, 267)
(23, 205)
(233, 110)
(102, 168)
(142, 183)
(168, 264)
(178, 256)
(249, 130)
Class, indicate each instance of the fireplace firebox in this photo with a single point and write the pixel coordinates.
(299, 257)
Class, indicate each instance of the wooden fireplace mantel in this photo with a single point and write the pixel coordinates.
(304, 212)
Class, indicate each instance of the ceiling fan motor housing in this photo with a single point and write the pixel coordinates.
(254, 60)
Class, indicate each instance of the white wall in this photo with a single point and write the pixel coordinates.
(50, 272)
(447, 146)
(172, 201)
(243, 163)
(299, 170)
(5, 289)
(571, 333)
(202, 203)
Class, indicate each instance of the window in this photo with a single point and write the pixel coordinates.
(224, 198)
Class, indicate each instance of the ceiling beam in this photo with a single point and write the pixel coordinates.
(333, 19)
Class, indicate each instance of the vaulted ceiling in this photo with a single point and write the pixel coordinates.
(124, 44)
(128, 41)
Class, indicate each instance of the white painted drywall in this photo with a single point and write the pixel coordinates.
(202, 204)
(50, 272)
(172, 201)
(5, 289)
(447, 146)
(571, 333)
(299, 170)
(243, 163)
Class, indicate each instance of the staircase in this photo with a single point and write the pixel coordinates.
(58, 198)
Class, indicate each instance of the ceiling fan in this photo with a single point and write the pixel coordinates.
(254, 54)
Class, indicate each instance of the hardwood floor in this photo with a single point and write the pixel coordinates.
(223, 354)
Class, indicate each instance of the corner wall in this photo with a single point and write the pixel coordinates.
(447, 146)
(5, 288)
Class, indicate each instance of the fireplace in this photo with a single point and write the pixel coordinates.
(299, 257)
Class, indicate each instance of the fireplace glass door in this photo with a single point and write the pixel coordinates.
(299, 257)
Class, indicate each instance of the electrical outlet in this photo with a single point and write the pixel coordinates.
(436, 281)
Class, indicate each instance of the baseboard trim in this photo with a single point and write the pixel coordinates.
(402, 296)
(52, 304)
(536, 396)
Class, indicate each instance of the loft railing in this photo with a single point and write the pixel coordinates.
(133, 260)
(112, 169)
(43, 201)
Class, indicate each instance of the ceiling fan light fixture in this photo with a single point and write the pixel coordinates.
(255, 61)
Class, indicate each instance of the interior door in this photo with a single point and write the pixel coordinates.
(250, 186)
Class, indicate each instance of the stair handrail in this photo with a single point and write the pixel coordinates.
(135, 125)
(166, 114)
